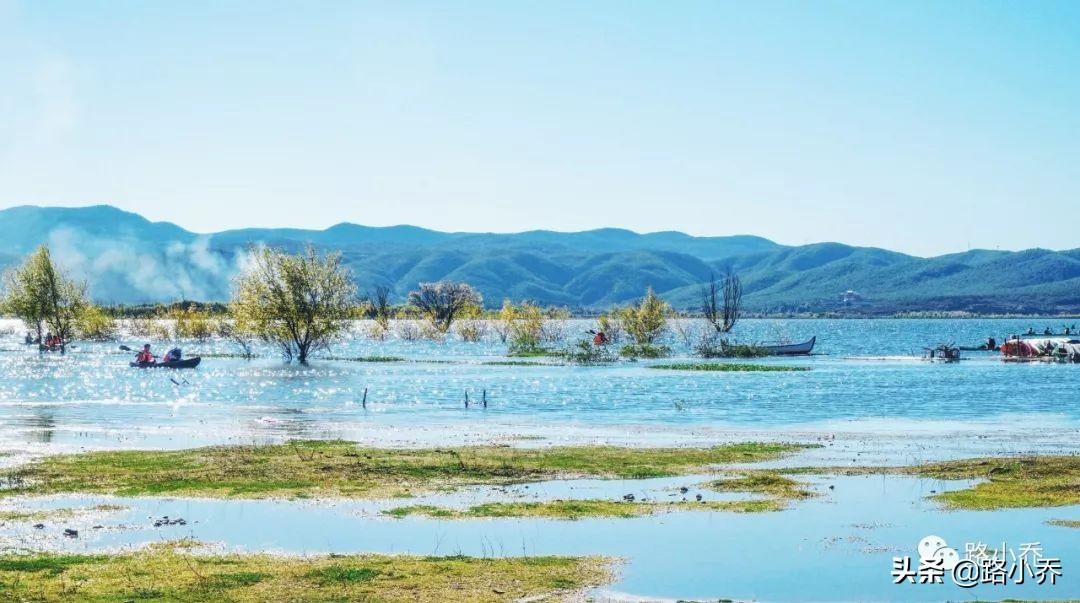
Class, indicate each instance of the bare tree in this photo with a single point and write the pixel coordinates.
(443, 301)
(380, 306)
(721, 302)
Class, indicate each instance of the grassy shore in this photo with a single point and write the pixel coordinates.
(1012, 482)
(300, 469)
(583, 509)
(733, 367)
(168, 572)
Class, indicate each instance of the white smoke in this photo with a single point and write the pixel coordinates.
(129, 269)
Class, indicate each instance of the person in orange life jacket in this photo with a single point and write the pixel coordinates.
(145, 356)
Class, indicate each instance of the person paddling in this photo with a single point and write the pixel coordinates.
(145, 356)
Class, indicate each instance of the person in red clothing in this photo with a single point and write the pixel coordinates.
(145, 356)
(600, 338)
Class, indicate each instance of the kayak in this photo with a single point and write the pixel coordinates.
(178, 364)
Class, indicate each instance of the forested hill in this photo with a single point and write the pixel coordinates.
(128, 259)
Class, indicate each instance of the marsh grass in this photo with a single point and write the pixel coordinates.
(1047, 481)
(517, 363)
(341, 469)
(1010, 482)
(770, 483)
(737, 367)
(582, 509)
(167, 572)
(366, 359)
(1065, 523)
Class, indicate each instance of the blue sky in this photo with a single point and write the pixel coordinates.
(927, 127)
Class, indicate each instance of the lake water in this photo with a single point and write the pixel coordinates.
(867, 398)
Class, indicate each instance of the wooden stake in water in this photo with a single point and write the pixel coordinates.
(466, 398)
(364, 402)
(485, 398)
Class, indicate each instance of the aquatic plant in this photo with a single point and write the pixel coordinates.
(644, 350)
(737, 367)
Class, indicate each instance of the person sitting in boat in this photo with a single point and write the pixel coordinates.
(991, 343)
(1031, 331)
(29, 338)
(172, 355)
(600, 338)
(145, 356)
(1048, 331)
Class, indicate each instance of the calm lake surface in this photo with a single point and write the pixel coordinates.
(865, 379)
(867, 399)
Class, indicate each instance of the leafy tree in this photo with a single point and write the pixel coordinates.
(300, 303)
(444, 301)
(647, 321)
(39, 293)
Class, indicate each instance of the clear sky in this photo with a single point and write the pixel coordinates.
(926, 127)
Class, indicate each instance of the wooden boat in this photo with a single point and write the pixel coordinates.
(177, 364)
(792, 349)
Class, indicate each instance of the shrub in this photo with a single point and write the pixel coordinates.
(95, 325)
(647, 321)
(644, 350)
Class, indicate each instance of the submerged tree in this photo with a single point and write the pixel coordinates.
(440, 303)
(39, 293)
(721, 303)
(300, 303)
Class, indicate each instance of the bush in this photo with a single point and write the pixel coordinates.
(585, 352)
(644, 350)
(647, 321)
(712, 346)
(95, 325)
(191, 323)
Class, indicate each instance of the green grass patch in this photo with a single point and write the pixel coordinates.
(1065, 523)
(168, 572)
(342, 574)
(582, 509)
(734, 367)
(1048, 481)
(1012, 482)
(770, 483)
(342, 469)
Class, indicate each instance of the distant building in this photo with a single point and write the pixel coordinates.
(849, 297)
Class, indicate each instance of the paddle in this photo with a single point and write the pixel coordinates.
(126, 349)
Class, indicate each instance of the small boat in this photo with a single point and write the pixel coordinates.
(176, 364)
(792, 349)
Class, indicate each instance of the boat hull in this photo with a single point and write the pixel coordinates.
(179, 364)
(792, 349)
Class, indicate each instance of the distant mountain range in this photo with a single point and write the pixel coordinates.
(128, 259)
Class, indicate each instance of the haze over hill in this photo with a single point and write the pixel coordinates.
(127, 259)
